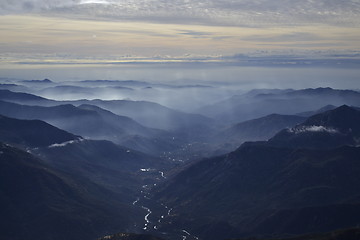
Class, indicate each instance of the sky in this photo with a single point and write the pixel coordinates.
(48, 33)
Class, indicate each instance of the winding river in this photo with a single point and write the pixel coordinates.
(153, 225)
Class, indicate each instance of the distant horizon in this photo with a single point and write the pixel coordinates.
(78, 31)
(247, 44)
(246, 77)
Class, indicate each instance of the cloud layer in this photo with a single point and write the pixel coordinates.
(25, 6)
(253, 13)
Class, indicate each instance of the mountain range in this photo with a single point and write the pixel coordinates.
(326, 130)
(40, 202)
(259, 129)
(86, 169)
(264, 188)
(345, 234)
(82, 188)
(86, 120)
(32, 133)
(259, 103)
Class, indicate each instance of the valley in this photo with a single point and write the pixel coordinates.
(266, 163)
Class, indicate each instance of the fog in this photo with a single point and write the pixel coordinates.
(185, 87)
(175, 110)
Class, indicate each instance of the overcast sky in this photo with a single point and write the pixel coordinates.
(228, 12)
(150, 30)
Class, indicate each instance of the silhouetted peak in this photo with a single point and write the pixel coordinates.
(344, 108)
(10, 95)
(323, 88)
(89, 107)
(341, 118)
(329, 129)
(32, 133)
(46, 80)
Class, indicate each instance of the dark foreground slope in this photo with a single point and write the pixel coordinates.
(264, 188)
(129, 236)
(346, 234)
(105, 163)
(38, 202)
(66, 187)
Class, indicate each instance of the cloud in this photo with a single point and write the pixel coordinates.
(26, 6)
(295, 36)
(253, 13)
(196, 34)
(94, 2)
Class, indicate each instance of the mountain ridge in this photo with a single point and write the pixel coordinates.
(236, 191)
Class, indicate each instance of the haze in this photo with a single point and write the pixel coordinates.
(247, 44)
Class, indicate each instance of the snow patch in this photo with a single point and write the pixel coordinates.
(313, 128)
(65, 143)
(146, 169)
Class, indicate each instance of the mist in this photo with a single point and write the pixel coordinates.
(185, 87)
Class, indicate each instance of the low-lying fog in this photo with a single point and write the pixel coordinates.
(180, 86)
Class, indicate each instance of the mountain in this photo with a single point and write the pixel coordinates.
(321, 110)
(233, 195)
(109, 165)
(92, 121)
(128, 125)
(20, 97)
(8, 95)
(148, 114)
(129, 236)
(102, 162)
(263, 188)
(13, 87)
(32, 133)
(259, 129)
(66, 117)
(38, 202)
(111, 176)
(252, 105)
(325, 130)
(152, 114)
(156, 145)
(317, 219)
(44, 81)
(115, 165)
(85, 120)
(88, 152)
(345, 234)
